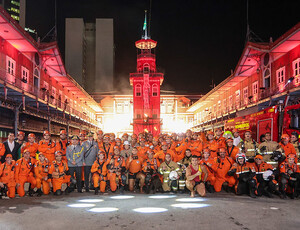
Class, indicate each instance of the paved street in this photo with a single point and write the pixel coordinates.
(160, 211)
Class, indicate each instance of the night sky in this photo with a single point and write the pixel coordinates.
(198, 40)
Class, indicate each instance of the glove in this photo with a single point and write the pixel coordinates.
(251, 160)
(231, 172)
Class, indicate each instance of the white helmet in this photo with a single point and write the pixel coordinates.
(173, 175)
(266, 174)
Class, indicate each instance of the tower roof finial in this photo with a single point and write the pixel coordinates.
(145, 29)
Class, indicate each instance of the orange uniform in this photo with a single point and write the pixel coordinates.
(221, 168)
(184, 145)
(24, 174)
(7, 177)
(2, 150)
(62, 169)
(40, 172)
(221, 141)
(48, 148)
(135, 165)
(32, 148)
(156, 149)
(142, 152)
(108, 149)
(196, 147)
(161, 155)
(115, 164)
(289, 149)
(232, 151)
(213, 146)
(209, 164)
(62, 145)
(99, 171)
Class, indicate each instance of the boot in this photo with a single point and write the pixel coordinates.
(58, 192)
(39, 192)
(67, 190)
(252, 193)
(31, 192)
(96, 191)
(122, 190)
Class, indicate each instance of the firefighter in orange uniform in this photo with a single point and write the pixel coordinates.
(286, 147)
(162, 153)
(119, 143)
(41, 169)
(59, 172)
(265, 177)
(106, 146)
(221, 168)
(99, 171)
(289, 176)
(211, 144)
(7, 177)
(196, 146)
(99, 137)
(244, 173)
(231, 150)
(2, 150)
(62, 144)
(220, 140)
(116, 171)
(24, 173)
(134, 166)
(48, 147)
(208, 162)
(155, 145)
(31, 145)
(142, 149)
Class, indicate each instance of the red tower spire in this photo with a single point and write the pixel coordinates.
(146, 84)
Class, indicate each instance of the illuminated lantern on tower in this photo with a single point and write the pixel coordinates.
(146, 84)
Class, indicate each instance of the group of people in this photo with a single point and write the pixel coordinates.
(194, 162)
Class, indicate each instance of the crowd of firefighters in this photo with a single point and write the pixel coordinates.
(193, 162)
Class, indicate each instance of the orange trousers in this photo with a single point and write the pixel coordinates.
(45, 184)
(57, 183)
(220, 181)
(113, 177)
(96, 180)
(211, 178)
(22, 180)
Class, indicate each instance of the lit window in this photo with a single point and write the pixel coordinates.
(119, 108)
(126, 107)
(36, 78)
(245, 95)
(280, 73)
(237, 98)
(267, 79)
(10, 65)
(25, 74)
(225, 104)
(53, 95)
(154, 90)
(230, 102)
(255, 88)
(138, 90)
(296, 71)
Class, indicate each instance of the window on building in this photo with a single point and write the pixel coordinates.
(237, 98)
(255, 88)
(119, 108)
(36, 78)
(280, 73)
(138, 116)
(225, 105)
(267, 79)
(146, 68)
(296, 71)
(60, 98)
(170, 108)
(230, 102)
(154, 90)
(163, 108)
(25, 74)
(10, 65)
(245, 95)
(53, 95)
(126, 107)
(138, 90)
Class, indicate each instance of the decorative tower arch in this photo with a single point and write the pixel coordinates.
(146, 82)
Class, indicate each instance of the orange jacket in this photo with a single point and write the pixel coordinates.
(109, 150)
(161, 155)
(41, 169)
(2, 149)
(196, 147)
(48, 148)
(221, 142)
(135, 165)
(209, 164)
(285, 167)
(222, 166)
(62, 145)
(61, 168)
(288, 149)
(116, 163)
(231, 152)
(142, 152)
(242, 169)
(99, 167)
(23, 168)
(153, 164)
(156, 149)
(213, 146)
(33, 148)
(7, 174)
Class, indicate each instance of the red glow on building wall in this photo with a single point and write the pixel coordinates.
(146, 82)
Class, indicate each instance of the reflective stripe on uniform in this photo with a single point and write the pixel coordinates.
(242, 172)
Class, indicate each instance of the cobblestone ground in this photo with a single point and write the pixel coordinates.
(159, 211)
